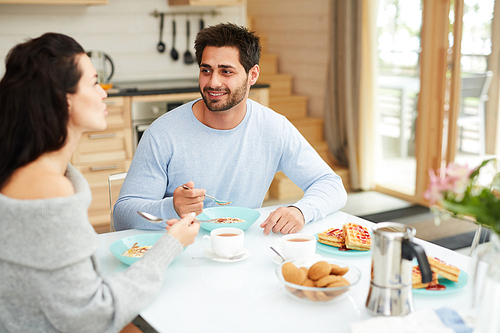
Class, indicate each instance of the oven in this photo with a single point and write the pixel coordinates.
(144, 112)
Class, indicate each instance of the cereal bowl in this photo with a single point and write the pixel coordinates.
(333, 284)
(248, 214)
(122, 245)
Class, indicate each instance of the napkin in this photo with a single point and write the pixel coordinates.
(444, 320)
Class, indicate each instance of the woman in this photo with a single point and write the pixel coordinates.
(49, 275)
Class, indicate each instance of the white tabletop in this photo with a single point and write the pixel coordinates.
(201, 295)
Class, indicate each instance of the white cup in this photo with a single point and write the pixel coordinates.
(225, 242)
(297, 246)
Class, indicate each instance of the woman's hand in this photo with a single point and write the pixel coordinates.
(184, 230)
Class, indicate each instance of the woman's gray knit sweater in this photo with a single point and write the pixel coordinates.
(49, 276)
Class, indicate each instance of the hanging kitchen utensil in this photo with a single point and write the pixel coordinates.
(188, 57)
(161, 46)
(202, 23)
(173, 53)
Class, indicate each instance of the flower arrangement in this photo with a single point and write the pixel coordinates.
(463, 192)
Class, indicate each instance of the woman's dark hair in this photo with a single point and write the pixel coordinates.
(33, 104)
(229, 34)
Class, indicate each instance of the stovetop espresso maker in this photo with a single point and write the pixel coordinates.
(393, 250)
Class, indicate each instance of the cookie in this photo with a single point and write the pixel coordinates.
(292, 274)
(337, 270)
(326, 280)
(309, 293)
(318, 270)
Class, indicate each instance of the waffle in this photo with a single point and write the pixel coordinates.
(417, 279)
(445, 270)
(332, 236)
(357, 237)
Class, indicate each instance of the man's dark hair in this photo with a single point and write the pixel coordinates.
(229, 34)
(33, 104)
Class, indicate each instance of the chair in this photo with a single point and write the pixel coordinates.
(115, 182)
(474, 86)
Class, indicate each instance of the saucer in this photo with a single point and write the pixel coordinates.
(277, 259)
(209, 253)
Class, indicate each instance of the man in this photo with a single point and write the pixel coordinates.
(226, 145)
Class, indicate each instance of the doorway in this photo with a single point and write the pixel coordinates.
(425, 115)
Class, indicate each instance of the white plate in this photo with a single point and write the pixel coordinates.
(209, 253)
(277, 259)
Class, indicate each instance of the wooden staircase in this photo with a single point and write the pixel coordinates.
(294, 107)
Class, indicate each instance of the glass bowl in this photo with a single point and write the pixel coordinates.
(317, 294)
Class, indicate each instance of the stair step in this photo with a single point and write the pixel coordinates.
(268, 64)
(310, 128)
(325, 153)
(280, 84)
(293, 106)
(283, 188)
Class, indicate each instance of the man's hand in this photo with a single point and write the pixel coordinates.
(287, 220)
(187, 201)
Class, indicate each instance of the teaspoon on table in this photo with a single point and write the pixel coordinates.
(272, 248)
(155, 219)
(219, 202)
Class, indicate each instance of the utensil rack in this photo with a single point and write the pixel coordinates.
(156, 13)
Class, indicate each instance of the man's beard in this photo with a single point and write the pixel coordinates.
(234, 98)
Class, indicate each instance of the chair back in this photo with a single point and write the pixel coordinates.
(476, 85)
(115, 182)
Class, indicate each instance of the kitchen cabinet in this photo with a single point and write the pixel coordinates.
(56, 2)
(102, 153)
(206, 2)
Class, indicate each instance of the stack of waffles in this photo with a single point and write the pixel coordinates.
(352, 236)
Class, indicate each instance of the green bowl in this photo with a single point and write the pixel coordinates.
(122, 245)
(248, 214)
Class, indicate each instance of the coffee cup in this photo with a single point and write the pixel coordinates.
(225, 242)
(297, 246)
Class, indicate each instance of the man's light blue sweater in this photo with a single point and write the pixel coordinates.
(236, 165)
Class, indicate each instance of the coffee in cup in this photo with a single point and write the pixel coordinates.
(225, 242)
(297, 246)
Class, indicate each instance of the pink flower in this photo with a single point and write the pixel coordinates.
(451, 180)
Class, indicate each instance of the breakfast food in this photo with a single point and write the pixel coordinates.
(351, 237)
(417, 279)
(319, 276)
(356, 237)
(318, 270)
(136, 251)
(440, 267)
(332, 236)
(229, 220)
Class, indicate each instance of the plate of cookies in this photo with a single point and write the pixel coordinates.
(446, 278)
(320, 281)
(351, 240)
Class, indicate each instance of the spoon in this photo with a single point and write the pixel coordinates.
(155, 219)
(173, 53)
(161, 46)
(219, 202)
(188, 57)
(272, 248)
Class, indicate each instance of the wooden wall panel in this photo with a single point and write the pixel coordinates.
(298, 32)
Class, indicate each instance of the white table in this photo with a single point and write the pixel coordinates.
(201, 295)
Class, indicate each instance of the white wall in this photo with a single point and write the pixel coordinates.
(124, 29)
